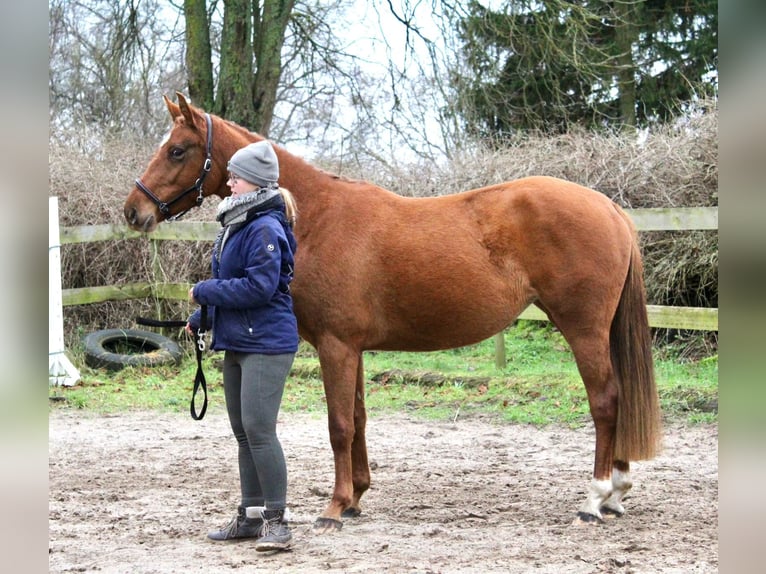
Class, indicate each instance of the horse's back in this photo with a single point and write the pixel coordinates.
(534, 201)
(551, 197)
(539, 222)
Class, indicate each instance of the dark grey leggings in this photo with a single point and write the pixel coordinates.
(253, 385)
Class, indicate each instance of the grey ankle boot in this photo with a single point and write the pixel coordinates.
(241, 526)
(276, 534)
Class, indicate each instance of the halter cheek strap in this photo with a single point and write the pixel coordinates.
(163, 206)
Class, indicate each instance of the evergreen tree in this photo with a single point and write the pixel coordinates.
(548, 64)
(680, 39)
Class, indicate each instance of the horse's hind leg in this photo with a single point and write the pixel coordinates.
(591, 351)
(360, 468)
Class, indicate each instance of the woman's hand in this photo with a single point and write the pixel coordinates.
(188, 327)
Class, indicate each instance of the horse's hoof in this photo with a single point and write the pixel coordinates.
(351, 512)
(607, 512)
(585, 518)
(324, 525)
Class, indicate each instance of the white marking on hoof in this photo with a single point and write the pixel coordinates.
(598, 492)
(621, 484)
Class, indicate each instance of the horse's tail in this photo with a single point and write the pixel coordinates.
(639, 421)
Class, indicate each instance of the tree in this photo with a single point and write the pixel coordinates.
(549, 64)
(532, 66)
(199, 63)
(252, 38)
(268, 40)
(625, 36)
(106, 61)
(680, 39)
(272, 66)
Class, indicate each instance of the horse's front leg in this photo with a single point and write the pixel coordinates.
(339, 371)
(360, 467)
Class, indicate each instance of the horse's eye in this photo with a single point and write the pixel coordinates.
(177, 152)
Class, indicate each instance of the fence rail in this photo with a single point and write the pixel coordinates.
(652, 219)
(649, 219)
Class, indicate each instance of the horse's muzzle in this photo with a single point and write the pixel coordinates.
(137, 223)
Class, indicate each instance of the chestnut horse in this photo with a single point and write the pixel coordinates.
(375, 270)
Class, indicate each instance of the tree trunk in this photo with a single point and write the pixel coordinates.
(235, 83)
(625, 36)
(252, 37)
(199, 66)
(268, 39)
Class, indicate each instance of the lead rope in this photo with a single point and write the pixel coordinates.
(199, 378)
(199, 347)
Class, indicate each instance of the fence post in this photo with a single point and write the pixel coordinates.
(500, 359)
(61, 371)
(158, 276)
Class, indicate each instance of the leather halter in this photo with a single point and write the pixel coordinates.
(163, 206)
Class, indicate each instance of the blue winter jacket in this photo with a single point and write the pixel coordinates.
(249, 294)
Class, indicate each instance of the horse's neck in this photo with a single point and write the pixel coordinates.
(307, 183)
(228, 138)
(300, 177)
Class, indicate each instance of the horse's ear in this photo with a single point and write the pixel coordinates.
(186, 110)
(174, 110)
(181, 98)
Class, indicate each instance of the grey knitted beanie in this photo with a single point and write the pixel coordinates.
(256, 163)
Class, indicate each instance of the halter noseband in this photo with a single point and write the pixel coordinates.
(163, 206)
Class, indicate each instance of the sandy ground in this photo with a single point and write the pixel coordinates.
(137, 493)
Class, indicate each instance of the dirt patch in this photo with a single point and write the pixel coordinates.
(136, 493)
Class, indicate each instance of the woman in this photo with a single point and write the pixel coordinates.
(253, 323)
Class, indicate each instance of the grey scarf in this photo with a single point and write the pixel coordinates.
(234, 209)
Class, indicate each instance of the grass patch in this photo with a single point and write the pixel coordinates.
(539, 385)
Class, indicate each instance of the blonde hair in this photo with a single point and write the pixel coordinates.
(290, 208)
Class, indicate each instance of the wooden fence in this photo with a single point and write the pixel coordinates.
(655, 219)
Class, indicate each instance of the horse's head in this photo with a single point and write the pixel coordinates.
(178, 173)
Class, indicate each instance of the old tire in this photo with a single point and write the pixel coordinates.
(114, 349)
